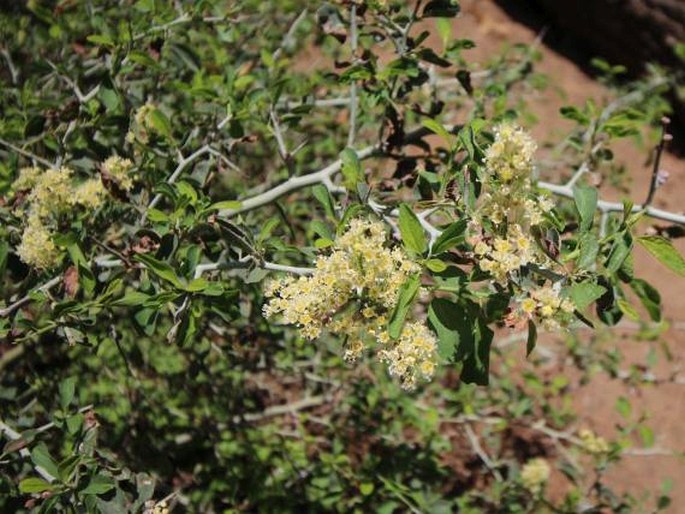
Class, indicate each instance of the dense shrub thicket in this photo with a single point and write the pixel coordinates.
(269, 257)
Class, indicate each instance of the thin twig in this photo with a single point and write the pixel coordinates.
(278, 134)
(10, 64)
(475, 444)
(50, 425)
(293, 184)
(290, 34)
(25, 153)
(665, 137)
(27, 299)
(279, 410)
(183, 18)
(318, 177)
(82, 98)
(14, 436)
(605, 206)
(353, 86)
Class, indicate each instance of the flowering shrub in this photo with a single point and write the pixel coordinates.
(200, 241)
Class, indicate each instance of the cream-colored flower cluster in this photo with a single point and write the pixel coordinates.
(501, 256)
(546, 306)
(412, 357)
(534, 475)
(119, 170)
(592, 443)
(37, 248)
(514, 203)
(502, 229)
(51, 194)
(350, 293)
(510, 156)
(509, 206)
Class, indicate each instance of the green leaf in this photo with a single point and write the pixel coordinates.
(450, 237)
(619, 252)
(100, 39)
(185, 189)
(351, 169)
(628, 309)
(606, 308)
(4, 252)
(99, 484)
(586, 204)
(142, 58)
(649, 296)
(439, 129)
(366, 488)
(413, 236)
(663, 250)
(109, 98)
(476, 368)
(132, 299)
(67, 389)
(436, 265)
(322, 229)
(157, 216)
(532, 337)
(407, 294)
(588, 251)
(323, 242)
(161, 123)
(162, 269)
(453, 328)
(41, 457)
(225, 204)
(86, 278)
(147, 319)
(74, 423)
(34, 485)
(324, 197)
(623, 407)
(584, 293)
(467, 134)
(573, 113)
(76, 254)
(647, 436)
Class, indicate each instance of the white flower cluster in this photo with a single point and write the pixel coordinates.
(350, 293)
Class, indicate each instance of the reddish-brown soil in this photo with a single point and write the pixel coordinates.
(491, 28)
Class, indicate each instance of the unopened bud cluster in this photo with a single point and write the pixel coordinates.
(351, 293)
